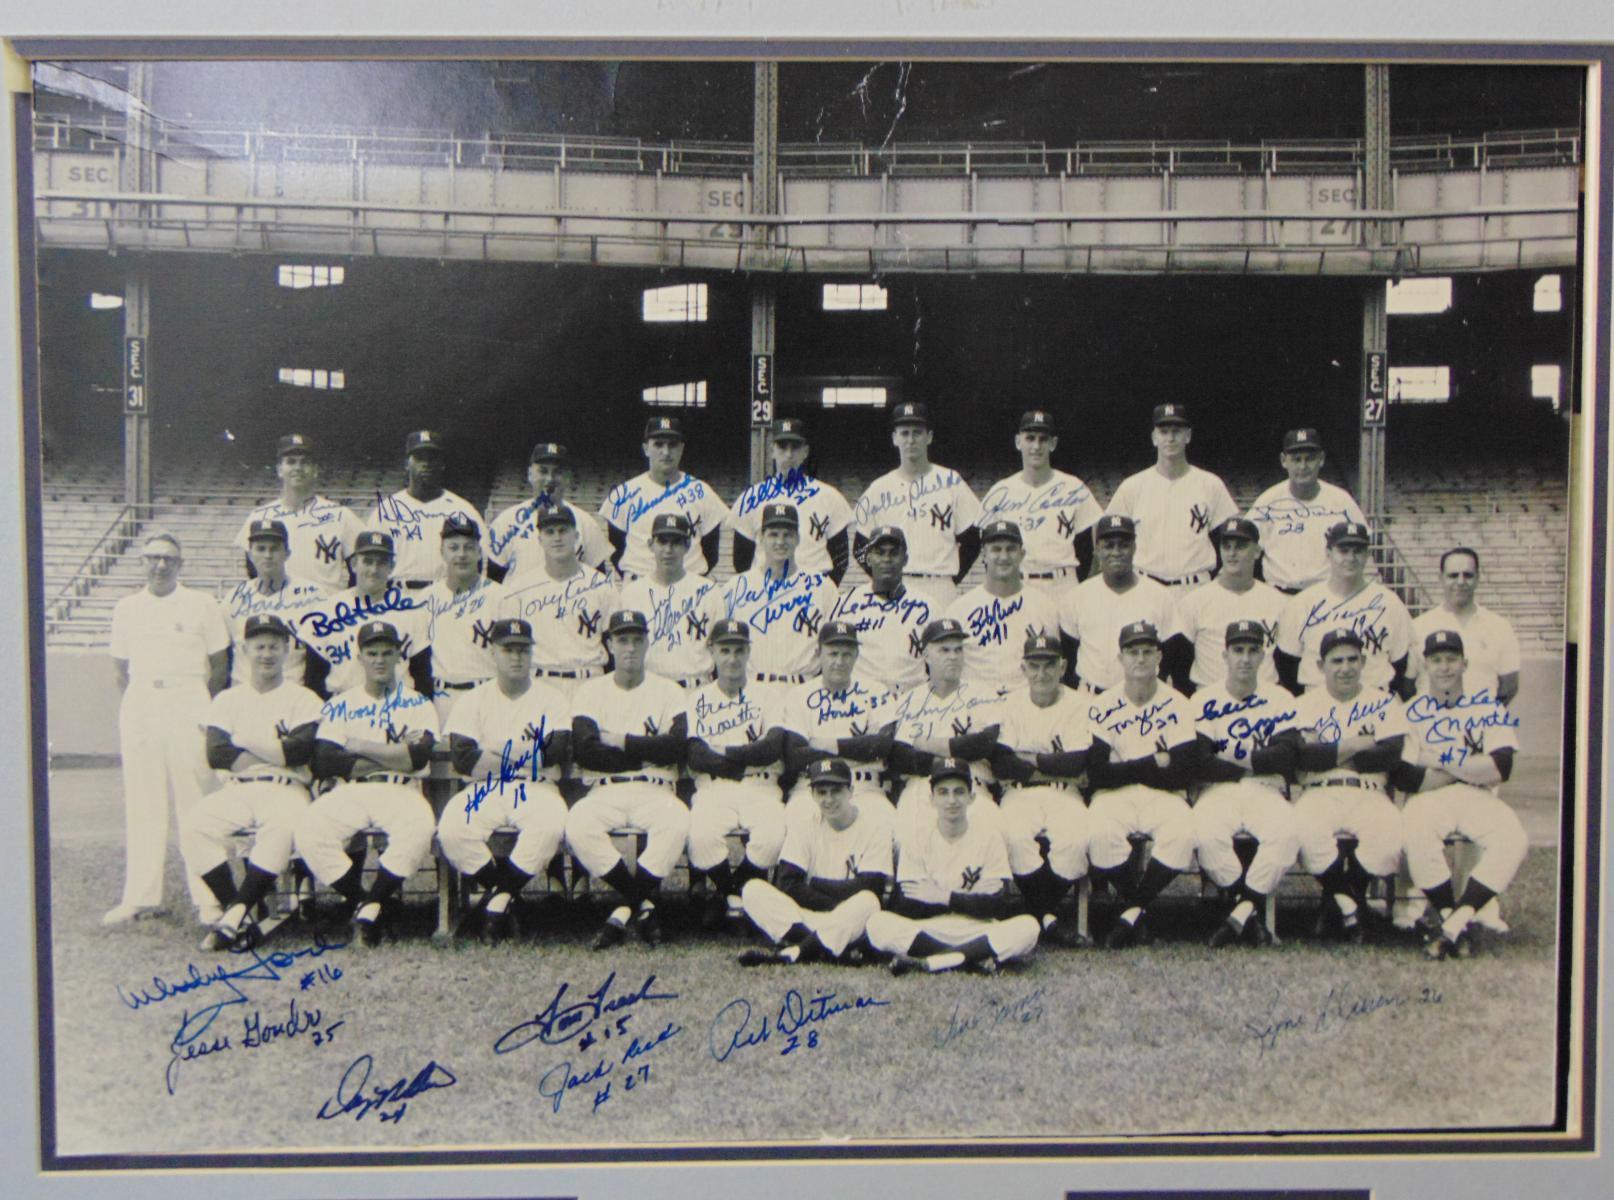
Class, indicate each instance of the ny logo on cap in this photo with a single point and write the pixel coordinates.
(296, 439)
(1168, 410)
(663, 423)
(1443, 640)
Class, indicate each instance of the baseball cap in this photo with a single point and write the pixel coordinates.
(790, 429)
(265, 623)
(671, 525)
(510, 630)
(1339, 637)
(663, 427)
(780, 514)
(1302, 439)
(1139, 631)
(842, 633)
(910, 412)
(1001, 531)
(458, 524)
(626, 620)
(547, 452)
(829, 772)
(939, 629)
(372, 541)
(294, 443)
(948, 767)
(555, 514)
(1237, 527)
(267, 529)
(1443, 639)
(727, 629)
(888, 533)
(1037, 419)
(1042, 645)
(422, 441)
(1343, 532)
(378, 631)
(1112, 524)
(1171, 414)
(1246, 631)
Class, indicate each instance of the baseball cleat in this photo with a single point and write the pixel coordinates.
(1063, 933)
(1256, 932)
(215, 941)
(1127, 934)
(647, 924)
(1489, 917)
(124, 913)
(610, 934)
(1466, 944)
(1440, 949)
(759, 956)
(1226, 934)
(714, 910)
(984, 966)
(852, 956)
(495, 928)
(904, 964)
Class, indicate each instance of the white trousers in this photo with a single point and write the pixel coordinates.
(720, 805)
(1459, 808)
(328, 824)
(164, 752)
(1118, 813)
(1322, 814)
(653, 807)
(774, 913)
(1225, 810)
(1013, 937)
(533, 808)
(1059, 814)
(270, 810)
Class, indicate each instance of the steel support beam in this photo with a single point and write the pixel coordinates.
(137, 172)
(1375, 195)
(763, 201)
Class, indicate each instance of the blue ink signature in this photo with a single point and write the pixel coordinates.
(795, 484)
(561, 1079)
(1022, 1011)
(624, 497)
(988, 623)
(731, 1028)
(714, 720)
(380, 710)
(556, 1024)
(256, 1033)
(870, 506)
(519, 769)
(350, 1097)
(344, 615)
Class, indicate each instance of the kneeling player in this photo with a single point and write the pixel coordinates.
(832, 871)
(262, 733)
(511, 736)
(378, 738)
(952, 889)
(1465, 745)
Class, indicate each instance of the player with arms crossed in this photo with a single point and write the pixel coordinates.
(331, 629)
(824, 549)
(1001, 612)
(566, 604)
(888, 618)
(461, 608)
(1054, 511)
(1242, 783)
(1293, 517)
(1093, 613)
(676, 603)
(1490, 645)
(833, 869)
(410, 517)
(513, 535)
(319, 531)
(511, 737)
(271, 592)
(1234, 595)
(952, 906)
(631, 507)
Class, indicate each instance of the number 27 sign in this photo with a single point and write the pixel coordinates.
(1375, 368)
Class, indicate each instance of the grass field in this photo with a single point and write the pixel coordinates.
(1169, 1039)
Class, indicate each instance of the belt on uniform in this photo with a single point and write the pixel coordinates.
(414, 585)
(748, 777)
(1058, 573)
(182, 682)
(580, 673)
(608, 779)
(693, 681)
(927, 575)
(398, 778)
(1288, 591)
(1063, 785)
(459, 687)
(281, 779)
(1196, 577)
(1341, 781)
(769, 677)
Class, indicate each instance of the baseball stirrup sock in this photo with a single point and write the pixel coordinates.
(257, 884)
(385, 886)
(221, 883)
(1156, 878)
(648, 884)
(1441, 896)
(1476, 895)
(620, 878)
(486, 876)
(1034, 891)
(512, 878)
(722, 878)
(351, 885)
(924, 944)
(977, 948)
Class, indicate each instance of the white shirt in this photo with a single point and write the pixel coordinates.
(1093, 613)
(1489, 645)
(783, 612)
(1448, 735)
(355, 715)
(1060, 728)
(1240, 727)
(1205, 612)
(416, 527)
(824, 513)
(253, 720)
(680, 621)
(862, 707)
(1132, 731)
(1293, 531)
(923, 715)
(459, 628)
(331, 630)
(168, 638)
(931, 510)
(319, 538)
(644, 711)
(634, 505)
(1174, 519)
(1372, 611)
(513, 538)
(568, 616)
(1372, 712)
(888, 630)
(1050, 515)
(996, 629)
(512, 727)
(975, 862)
(722, 721)
(824, 852)
(246, 598)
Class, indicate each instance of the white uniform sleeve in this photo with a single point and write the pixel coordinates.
(1290, 623)
(996, 866)
(1124, 503)
(465, 718)
(1507, 649)
(839, 511)
(594, 545)
(1395, 722)
(876, 855)
(119, 647)
(1222, 505)
(966, 505)
(1170, 622)
(215, 629)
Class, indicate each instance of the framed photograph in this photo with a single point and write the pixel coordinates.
(354, 374)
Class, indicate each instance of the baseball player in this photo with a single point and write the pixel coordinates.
(320, 531)
(513, 534)
(1347, 599)
(511, 737)
(951, 909)
(833, 869)
(1093, 613)
(376, 738)
(271, 591)
(1463, 744)
(1243, 786)
(1490, 645)
(1054, 511)
(331, 629)
(782, 602)
(628, 737)
(1204, 613)
(564, 602)
(931, 504)
(260, 741)
(170, 649)
(1175, 506)
(1294, 517)
(1348, 736)
(888, 618)
(411, 516)
(664, 487)
(462, 605)
(1041, 755)
(676, 603)
(824, 548)
(733, 755)
(841, 714)
(1145, 752)
(999, 613)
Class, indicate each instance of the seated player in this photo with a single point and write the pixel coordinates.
(1464, 744)
(377, 739)
(951, 908)
(260, 740)
(675, 602)
(1143, 758)
(1347, 739)
(833, 870)
(1041, 757)
(1002, 611)
(734, 752)
(511, 736)
(1242, 784)
(629, 730)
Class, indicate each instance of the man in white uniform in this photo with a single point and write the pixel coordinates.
(676, 603)
(513, 535)
(932, 505)
(330, 629)
(1002, 611)
(664, 487)
(1490, 646)
(1294, 517)
(320, 532)
(566, 604)
(462, 606)
(1205, 612)
(271, 591)
(411, 516)
(1055, 511)
(1175, 506)
(887, 616)
(170, 647)
(1093, 613)
(828, 516)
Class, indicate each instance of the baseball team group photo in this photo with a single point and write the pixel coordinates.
(635, 603)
